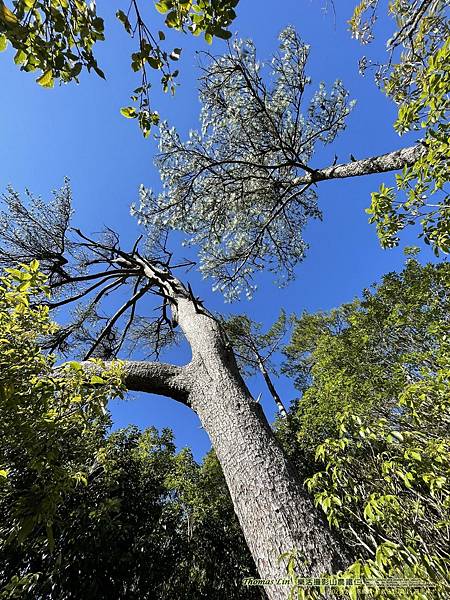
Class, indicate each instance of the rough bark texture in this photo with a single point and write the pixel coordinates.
(391, 161)
(275, 512)
(154, 378)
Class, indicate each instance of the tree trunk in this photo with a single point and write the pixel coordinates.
(275, 512)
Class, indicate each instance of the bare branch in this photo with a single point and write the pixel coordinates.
(128, 304)
(392, 161)
(152, 377)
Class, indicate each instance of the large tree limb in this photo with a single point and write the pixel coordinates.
(153, 377)
(392, 161)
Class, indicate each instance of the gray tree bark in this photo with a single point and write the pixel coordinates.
(391, 161)
(274, 511)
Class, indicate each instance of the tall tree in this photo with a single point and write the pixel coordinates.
(274, 510)
(243, 189)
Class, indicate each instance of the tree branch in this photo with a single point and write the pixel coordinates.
(151, 377)
(392, 161)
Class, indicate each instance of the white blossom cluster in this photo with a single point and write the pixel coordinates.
(231, 186)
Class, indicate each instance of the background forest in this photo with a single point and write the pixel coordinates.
(324, 230)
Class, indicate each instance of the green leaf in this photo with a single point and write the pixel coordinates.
(155, 63)
(75, 366)
(7, 16)
(172, 19)
(50, 538)
(97, 379)
(99, 72)
(20, 57)
(129, 112)
(223, 34)
(23, 287)
(3, 42)
(397, 435)
(46, 80)
(161, 7)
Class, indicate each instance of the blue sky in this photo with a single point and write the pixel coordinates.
(77, 131)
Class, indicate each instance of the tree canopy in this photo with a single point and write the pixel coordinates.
(360, 356)
(51, 422)
(234, 185)
(372, 425)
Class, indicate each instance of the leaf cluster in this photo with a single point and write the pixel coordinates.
(424, 184)
(416, 77)
(361, 356)
(207, 17)
(55, 37)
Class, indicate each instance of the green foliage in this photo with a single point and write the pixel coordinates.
(361, 356)
(91, 515)
(57, 38)
(217, 558)
(375, 376)
(426, 108)
(417, 78)
(50, 420)
(149, 523)
(386, 485)
(210, 17)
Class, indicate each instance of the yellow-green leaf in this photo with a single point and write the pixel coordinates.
(129, 112)
(46, 80)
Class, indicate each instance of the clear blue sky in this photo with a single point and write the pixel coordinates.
(77, 131)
